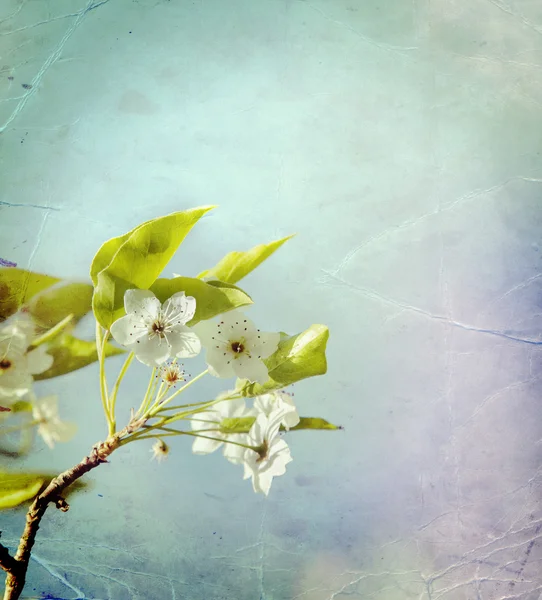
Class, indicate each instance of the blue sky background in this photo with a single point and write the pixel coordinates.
(401, 141)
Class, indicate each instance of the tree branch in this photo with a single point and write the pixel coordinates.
(16, 567)
(7, 562)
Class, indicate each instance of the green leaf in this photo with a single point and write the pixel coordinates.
(236, 265)
(297, 357)
(136, 260)
(314, 423)
(21, 406)
(56, 303)
(212, 297)
(18, 286)
(243, 424)
(70, 353)
(236, 425)
(16, 488)
(51, 334)
(108, 250)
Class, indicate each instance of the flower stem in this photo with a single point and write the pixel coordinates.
(206, 403)
(115, 391)
(52, 333)
(148, 393)
(101, 340)
(156, 407)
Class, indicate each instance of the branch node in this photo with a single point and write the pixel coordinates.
(61, 504)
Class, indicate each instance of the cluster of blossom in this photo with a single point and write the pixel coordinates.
(158, 332)
(19, 362)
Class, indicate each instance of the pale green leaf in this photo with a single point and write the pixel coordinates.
(16, 488)
(136, 260)
(314, 423)
(56, 303)
(108, 250)
(212, 297)
(297, 357)
(243, 424)
(18, 286)
(236, 265)
(21, 406)
(50, 335)
(70, 353)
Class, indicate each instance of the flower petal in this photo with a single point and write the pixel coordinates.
(207, 331)
(38, 360)
(290, 419)
(179, 308)
(205, 445)
(234, 453)
(235, 324)
(45, 408)
(142, 302)
(261, 482)
(184, 342)
(12, 345)
(251, 368)
(264, 345)
(151, 350)
(231, 408)
(128, 329)
(64, 430)
(8, 394)
(205, 419)
(219, 365)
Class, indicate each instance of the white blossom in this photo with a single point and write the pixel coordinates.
(267, 403)
(17, 364)
(272, 456)
(211, 419)
(50, 427)
(156, 332)
(236, 348)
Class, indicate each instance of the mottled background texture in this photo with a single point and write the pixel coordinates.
(401, 139)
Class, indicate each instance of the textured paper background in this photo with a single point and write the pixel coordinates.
(402, 141)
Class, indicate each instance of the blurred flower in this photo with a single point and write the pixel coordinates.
(211, 419)
(236, 348)
(17, 365)
(272, 453)
(50, 427)
(160, 450)
(267, 403)
(156, 332)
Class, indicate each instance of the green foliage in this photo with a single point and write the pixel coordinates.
(21, 406)
(18, 286)
(70, 353)
(243, 424)
(135, 260)
(54, 304)
(212, 297)
(297, 357)
(236, 265)
(314, 423)
(16, 488)
(51, 334)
